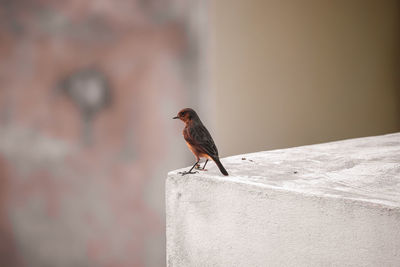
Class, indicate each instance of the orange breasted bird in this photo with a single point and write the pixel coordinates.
(198, 140)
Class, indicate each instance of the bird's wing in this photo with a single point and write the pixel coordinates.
(199, 137)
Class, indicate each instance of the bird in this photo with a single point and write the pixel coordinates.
(198, 140)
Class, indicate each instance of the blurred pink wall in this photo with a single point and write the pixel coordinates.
(87, 91)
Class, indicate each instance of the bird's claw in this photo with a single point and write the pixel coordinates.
(184, 173)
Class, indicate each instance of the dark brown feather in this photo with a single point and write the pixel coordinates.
(197, 135)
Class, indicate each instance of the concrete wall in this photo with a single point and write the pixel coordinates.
(334, 204)
(290, 72)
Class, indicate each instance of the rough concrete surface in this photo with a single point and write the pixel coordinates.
(332, 204)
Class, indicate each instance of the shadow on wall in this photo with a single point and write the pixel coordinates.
(89, 90)
(86, 89)
(305, 72)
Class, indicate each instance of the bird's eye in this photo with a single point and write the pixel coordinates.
(182, 114)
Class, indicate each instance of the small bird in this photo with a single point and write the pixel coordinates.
(198, 140)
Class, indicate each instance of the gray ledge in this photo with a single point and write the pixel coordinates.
(364, 169)
(332, 204)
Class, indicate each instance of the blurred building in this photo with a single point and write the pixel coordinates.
(88, 90)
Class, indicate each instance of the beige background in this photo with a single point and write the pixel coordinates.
(289, 73)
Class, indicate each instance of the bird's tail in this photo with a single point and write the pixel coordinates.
(220, 166)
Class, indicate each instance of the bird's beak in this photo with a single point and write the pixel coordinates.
(175, 118)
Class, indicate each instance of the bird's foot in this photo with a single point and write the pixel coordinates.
(184, 173)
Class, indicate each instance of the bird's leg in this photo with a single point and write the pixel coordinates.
(197, 166)
(201, 169)
(190, 171)
(205, 165)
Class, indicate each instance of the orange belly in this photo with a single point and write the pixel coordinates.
(197, 153)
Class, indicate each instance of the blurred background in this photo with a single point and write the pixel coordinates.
(88, 90)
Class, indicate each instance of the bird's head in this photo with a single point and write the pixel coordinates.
(186, 115)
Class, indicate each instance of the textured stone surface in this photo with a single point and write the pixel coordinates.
(333, 204)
